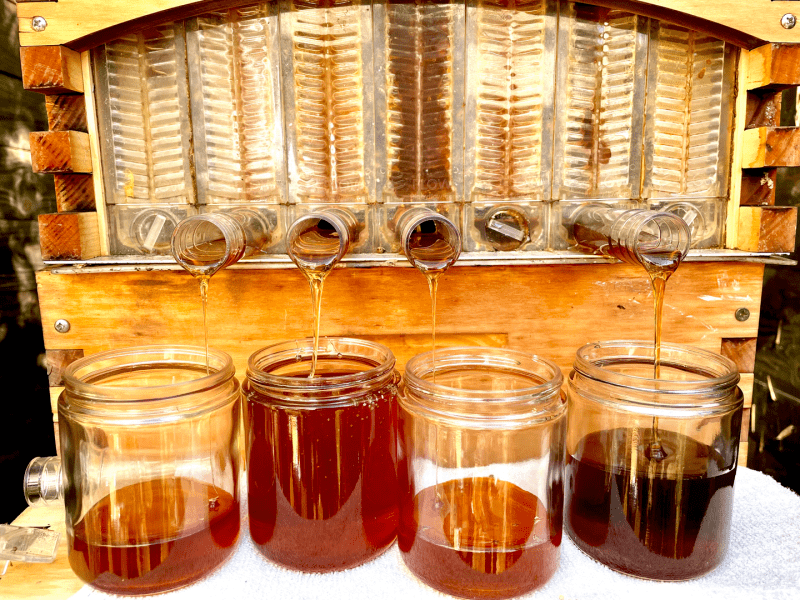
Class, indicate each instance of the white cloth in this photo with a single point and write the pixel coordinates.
(762, 562)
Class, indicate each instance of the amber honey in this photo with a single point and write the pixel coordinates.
(323, 477)
(154, 536)
(662, 519)
(480, 538)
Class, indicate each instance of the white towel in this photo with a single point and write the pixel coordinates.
(762, 562)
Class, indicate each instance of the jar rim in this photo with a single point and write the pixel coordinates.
(276, 355)
(106, 363)
(591, 360)
(533, 402)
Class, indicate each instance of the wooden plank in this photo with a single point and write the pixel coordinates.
(55, 392)
(548, 310)
(758, 187)
(57, 361)
(94, 144)
(742, 461)
(776, 65)
(742, 351)
(74, 193)
(69, 236)
(739, 122)
(70, 20)
(51, 70)
(31, 580)
(767, 228)
(66, 113)
(771, 147)
(746, 385)
(60, 152)
(763, 109)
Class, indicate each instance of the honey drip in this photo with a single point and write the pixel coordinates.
(204, 298)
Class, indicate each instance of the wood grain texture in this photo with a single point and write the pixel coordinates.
(776, 65)
(758, 187)
(742, 351)
(549, 310)
(74, 193)
(771, 147)
(746, 385)
(60, 152)
(51, 70)
(57, 361)
(66, 113)
(763, 109)
(70, 20)
(69, 236)
(767, 228)
(739, 122)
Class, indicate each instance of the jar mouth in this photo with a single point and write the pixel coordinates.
(685, 370)
(160, 373)
(341, 363)
(484, 383)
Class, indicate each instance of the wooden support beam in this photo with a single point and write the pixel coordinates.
(60, 152)
(742, 351)
(57, 361)
(767, 228)
(66, 113)
(69, 236)
(51, 70)
(771, 147)
(74, 193)
(763, 109)
(758, 187)
(774, 65)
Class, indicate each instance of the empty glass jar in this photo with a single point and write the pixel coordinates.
(651, 462)
(150, 462)
(322, 457)
(481, 450)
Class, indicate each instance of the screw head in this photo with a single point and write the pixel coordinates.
(788, 21)
(742, 314)
(38, 23)
(62, 326)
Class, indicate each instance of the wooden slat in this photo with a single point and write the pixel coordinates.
(60, 152)
(66, 113)
(758, 187)
(746, 385)
(745, 430)
(742, 351)
(767, 228)
(55, 392)
(69, 236)
(548, 310)
(70, 20)
(74, 193)
(94, 144)
(771, 147)
(742, 462)
(776, 65)
(763, 108)
(57, 361)
(739, 122)
(51, 70)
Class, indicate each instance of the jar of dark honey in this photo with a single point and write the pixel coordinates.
(150, 467)
(481, 455)
(651, 462)
(322, 457)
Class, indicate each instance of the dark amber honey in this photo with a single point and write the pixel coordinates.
(154, 536)
(480, 538)
(323, 480)
(664, 519)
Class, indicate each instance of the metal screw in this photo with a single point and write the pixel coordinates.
(62, 325)
(742, 314)
(40, 23)
(788, 21)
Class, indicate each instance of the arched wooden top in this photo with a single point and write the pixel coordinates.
(76, 23)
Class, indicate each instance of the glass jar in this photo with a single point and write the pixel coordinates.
(322, 456)
(150, 463)
(651, 462)
(481, 457)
